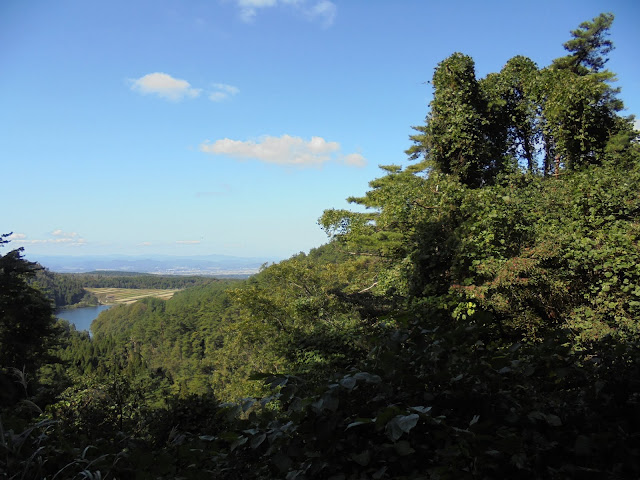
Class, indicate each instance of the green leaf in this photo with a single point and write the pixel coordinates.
(367, 377)
(240, 441)
(348, 383)
(401, 424)
(257, 440)
(359, 421)
(421, 409)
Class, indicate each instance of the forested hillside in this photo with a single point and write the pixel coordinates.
(62, 290)
(138, 280)
(68, 289)
(478, 319)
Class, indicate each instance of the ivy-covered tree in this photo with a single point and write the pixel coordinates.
(511, 95)
(568, 112)
(456, 139)
(578, 102)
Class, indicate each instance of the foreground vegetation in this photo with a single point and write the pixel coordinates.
(479, 320)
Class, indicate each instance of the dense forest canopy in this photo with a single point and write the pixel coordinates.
(478, 320)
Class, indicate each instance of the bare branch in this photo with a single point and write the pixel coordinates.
(369, 287)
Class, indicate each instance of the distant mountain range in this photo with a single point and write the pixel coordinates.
(213, 265)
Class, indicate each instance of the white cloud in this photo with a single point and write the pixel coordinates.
(16, 236)
(145, 244)
(284, 150)
(222, 91)
(322, 10)
(187, 242)
(636, 124)
(164, 86)
(76, 242)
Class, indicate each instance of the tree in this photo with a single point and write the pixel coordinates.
(456, 139)
(579, 104)
(580, 115)
(588, 47)
(26, 315)
(461, 144)
(511, 95)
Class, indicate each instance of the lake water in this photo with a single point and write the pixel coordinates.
(81, 317)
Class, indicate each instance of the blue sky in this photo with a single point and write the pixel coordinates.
(228, 126)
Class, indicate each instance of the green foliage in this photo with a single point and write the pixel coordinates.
(514, 110)
(26, 316)
(138, 280)
(565, 114)
(61, 289)
(556, 253)
(456, 138)
(580, 115)
(453, 403)
(588, 47)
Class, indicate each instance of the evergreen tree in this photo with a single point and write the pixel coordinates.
(588, 47)
(26, 315)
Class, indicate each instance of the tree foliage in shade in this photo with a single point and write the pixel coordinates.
(62, 290)
(458, 141)
(26, 316)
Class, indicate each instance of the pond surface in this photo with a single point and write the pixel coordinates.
(81, 317)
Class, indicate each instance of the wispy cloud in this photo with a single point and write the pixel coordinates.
(187, 242)
(222, 91)
(164, 86)
(61, 234)
(249, 8)
(323, 11)
(57, 236)
(284, 150)
(354, 160)
(145, 244)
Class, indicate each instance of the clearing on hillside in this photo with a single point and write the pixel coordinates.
(110, 296)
